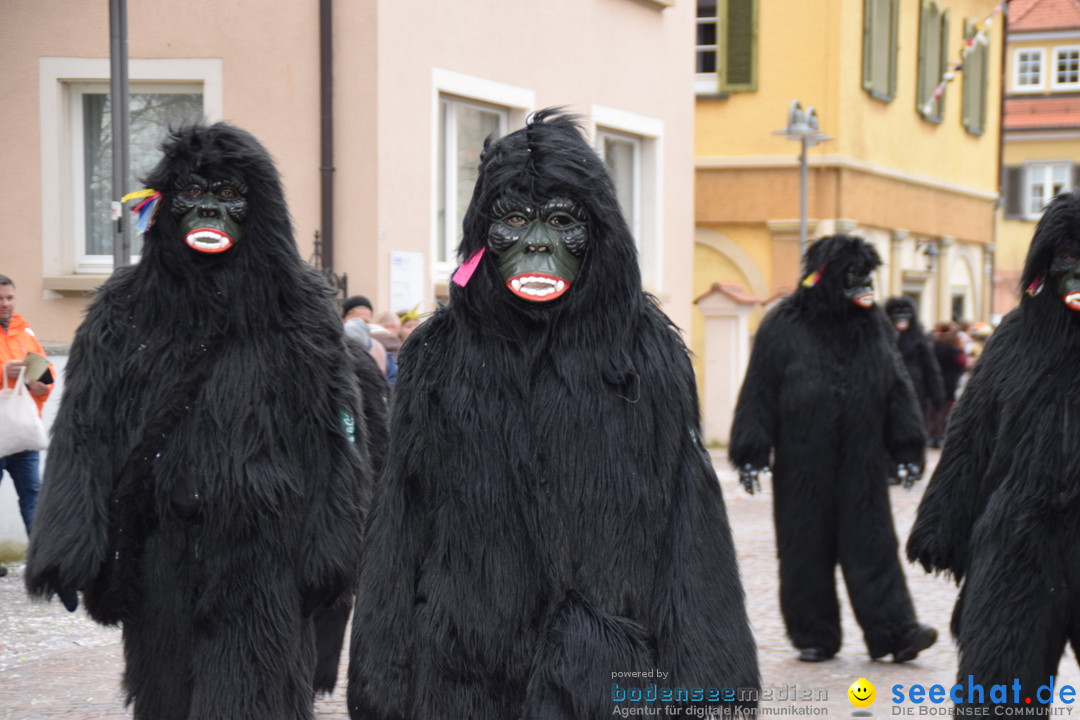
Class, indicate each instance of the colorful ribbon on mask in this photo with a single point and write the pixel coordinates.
(144, 211)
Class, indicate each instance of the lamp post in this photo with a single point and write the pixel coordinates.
(802, 126)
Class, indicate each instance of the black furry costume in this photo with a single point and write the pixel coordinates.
(1000, 513)
(548, 515)
(332, 622)
(918, 355)
(202, 487)
(828, 405)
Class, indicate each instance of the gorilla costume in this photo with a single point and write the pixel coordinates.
(1000, 513)
(548, 515)
(332, 622)
(828, 405)
(917, 353)
(208, 474)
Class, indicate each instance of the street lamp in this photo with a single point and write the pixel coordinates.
(802, 126)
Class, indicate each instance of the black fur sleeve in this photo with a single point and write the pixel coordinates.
(960, 488)
(905, 436)
(74, 502)
(753, 432)
(702, 632)
(931, 372)
(380, 646)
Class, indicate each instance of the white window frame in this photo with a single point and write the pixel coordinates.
(649, 133)
(84, 262)
(61, 200)
(1055, 84)
(1045, 168)
(636, 143)
(518, 102)
(708, 83)
(1040, 53)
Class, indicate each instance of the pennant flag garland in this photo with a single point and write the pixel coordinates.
(978, 37)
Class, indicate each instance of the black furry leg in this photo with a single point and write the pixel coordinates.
(808, 586)
(330, 624)
(877, 588)
(1010, 631)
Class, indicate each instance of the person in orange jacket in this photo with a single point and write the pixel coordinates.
(16, 340)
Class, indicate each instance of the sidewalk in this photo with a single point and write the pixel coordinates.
(59, 665)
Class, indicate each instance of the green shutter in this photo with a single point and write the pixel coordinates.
(738, 53)
(879, 48)
(894, 44)
(943, 64)
(868, 46)
(1013, 191)
(976, 71)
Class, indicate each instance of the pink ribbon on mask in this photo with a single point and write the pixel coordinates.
(465, 271)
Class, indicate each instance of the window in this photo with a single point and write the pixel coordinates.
(1028, 69)
(880, 20)
(1027, 188)
(976, 80)
(1044, 181)
(465, 110)
(76, 164)
(622, 155)
(153, 109)
(464, 125)
(933, 54)
(631, 146)
(726, 46)
(1066, 68)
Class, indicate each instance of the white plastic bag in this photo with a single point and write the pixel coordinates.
(20, 427)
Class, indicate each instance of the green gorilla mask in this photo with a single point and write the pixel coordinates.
(859, 288)
(210, 212)
(1065, 270)
(539, 249)
(901, 318)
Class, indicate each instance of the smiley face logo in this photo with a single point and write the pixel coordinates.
(862, 693)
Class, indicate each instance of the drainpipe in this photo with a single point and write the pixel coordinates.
(326, 110)
(121, 123)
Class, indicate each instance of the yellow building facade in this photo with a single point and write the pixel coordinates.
(1041, 128)
(908, 94)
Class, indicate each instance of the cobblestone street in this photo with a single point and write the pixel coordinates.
(58, 665)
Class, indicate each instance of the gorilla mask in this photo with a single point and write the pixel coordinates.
(1065, 270)
(859, 288)
(539, 249)
(901, 318)
(210, 211)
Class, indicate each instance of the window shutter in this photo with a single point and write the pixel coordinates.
(879, 48)
(1075, 177)
(921, 70)
(943, 63)
(740, 35)
(1014, 191)
(894, 33)
(868, 46)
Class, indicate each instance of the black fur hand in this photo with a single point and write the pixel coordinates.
(750, 477)
(66, 591)
(909, 474)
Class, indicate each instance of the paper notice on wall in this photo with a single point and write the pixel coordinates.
(406, 280)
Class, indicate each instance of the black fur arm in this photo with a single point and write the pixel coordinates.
(70, 536)
(959, 489)
(935, 385)
(754, 427)
(396, 540)
(703, 635)
(905, 436)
